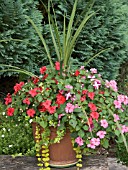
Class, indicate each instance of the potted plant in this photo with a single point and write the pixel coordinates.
(63, 102)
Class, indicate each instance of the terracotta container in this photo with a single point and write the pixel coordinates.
(61, 154)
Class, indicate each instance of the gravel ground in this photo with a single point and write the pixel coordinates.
(89, 163)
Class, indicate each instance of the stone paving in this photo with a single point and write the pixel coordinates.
(89, 163)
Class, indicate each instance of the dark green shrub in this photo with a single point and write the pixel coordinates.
(107, 29)
(27, 53)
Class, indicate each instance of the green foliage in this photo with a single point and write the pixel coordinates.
(107, 29)
(15, 137)
(22, 46)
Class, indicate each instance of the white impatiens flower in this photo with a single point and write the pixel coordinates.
(9, 146)
(2, 136)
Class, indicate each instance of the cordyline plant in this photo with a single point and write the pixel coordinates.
(65, 98)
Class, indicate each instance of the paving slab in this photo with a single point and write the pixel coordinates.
(98, 162)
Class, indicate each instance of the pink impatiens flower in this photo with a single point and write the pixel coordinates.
(124, 129)
(93, 143)
(101, 134)
(125, 100)
(79, 141)
(69, 87)
(69, 108)
(117, 104)
(116, 117)
(112, 84)
(93, 70)
(104, 123)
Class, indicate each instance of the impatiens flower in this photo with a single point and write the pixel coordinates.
(104, 123)
(47, 104)
(94, 115)
(124, 129)
(84, 91)
(92, 77)
(69, 87)
(77, 73)
(43, 69)
(117, 104)
(116, 117)
(33, 92)
(51, 109)
(31, 112)
(125, 100)
(57, 65)
(68, 95)
(83, 98)
(18, 86)
(45, 76)
(121, 98)
(101, 134)
(93, 70)
(92, 107)
(96, 84)
(93, 143)
(111, 84)
(8, 99)
(69, 108)
(91, 95)
(82, 68)
(73, 98)
(26, 101)
(60, 99)
(35, 80)
(79, 141)
(10, 111)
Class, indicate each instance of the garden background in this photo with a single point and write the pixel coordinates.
(107, 29)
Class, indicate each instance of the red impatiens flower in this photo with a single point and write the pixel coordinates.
(60, 99)
(31, 112)
(26, 101)
(47, 104)
(10, 111)
(18, 87)
(8, 99)
(77, 73)
(43, 69)
(83, 98)
(92, 107)
(33, 92)
(84, 91)
(52, 109)
(45, 76)
(95, 115)
(91, 95)
(57, 65)
(35, 80)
